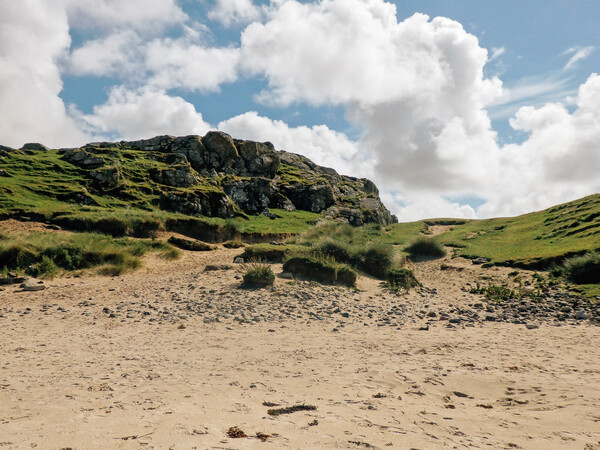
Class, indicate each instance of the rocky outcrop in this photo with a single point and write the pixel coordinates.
(83, 159)
(216, 175)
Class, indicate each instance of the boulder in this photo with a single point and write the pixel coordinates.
(35, 146)
(222, 152)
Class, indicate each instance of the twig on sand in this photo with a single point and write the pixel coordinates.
(134, 436)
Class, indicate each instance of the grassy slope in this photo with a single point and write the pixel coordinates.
(536, 239)
(43, 185)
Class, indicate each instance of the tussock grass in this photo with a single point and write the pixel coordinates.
(258, 274)
(398, 279)
(47, 254)
(425, 248)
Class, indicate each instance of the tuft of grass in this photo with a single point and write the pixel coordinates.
(423, 248)
(583, 269)
(377, 260)
(258, 274)
(398, 279)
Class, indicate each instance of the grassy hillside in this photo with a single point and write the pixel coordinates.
(44, 187)
(534, 240)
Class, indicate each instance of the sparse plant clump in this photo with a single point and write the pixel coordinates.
(424, 248)
(258, 274)
(398, 279)
(583, 269)
(495, 292)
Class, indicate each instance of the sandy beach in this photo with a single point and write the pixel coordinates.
(173, 356)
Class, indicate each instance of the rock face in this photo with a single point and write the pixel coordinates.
(217, 175)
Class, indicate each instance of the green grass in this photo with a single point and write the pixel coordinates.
(533, 240)
(47, 254)
(258, 274)
(44, 187)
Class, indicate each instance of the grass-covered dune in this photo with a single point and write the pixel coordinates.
(536, 240)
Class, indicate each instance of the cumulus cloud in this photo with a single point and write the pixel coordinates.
(324, 146)
(579, 54)
(558, 162)
(34, 36)
(415, 87)
(149, 16)
(112, 55)
(182, 63)
(230, 12)
(144, 113)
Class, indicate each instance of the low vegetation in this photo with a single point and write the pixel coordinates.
(583, 269)
(47, 254)
(321, 269)
(258, 274)
(536, 240)
(401, 279)
(425, 248)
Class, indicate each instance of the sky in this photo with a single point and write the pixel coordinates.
(453, 108)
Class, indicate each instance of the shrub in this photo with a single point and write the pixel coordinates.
(424, 248)
(583, 269)
(321, 269)
(258, 274)
(401, 279)
(335, 250)
(377, 260)
(266, 252)
(233, 244)
(46, 268)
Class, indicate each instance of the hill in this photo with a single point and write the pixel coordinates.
(143, 184)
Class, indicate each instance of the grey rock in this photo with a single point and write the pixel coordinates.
(35, 146)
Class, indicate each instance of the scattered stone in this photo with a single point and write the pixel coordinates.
(33, 285)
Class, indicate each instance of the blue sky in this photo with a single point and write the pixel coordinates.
(490, 111)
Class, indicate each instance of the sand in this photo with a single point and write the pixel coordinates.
(172, 356)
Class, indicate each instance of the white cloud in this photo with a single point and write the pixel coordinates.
(324, 146)
(497, 52)
(230, 12)
(579, 54)
(557, 163)
(34, 36)
(531, 91)
(149, 16)
(182, 63)
(144, 113)
(115, 54)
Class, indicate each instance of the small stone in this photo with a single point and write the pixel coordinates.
(581, 315)
(532, 326)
